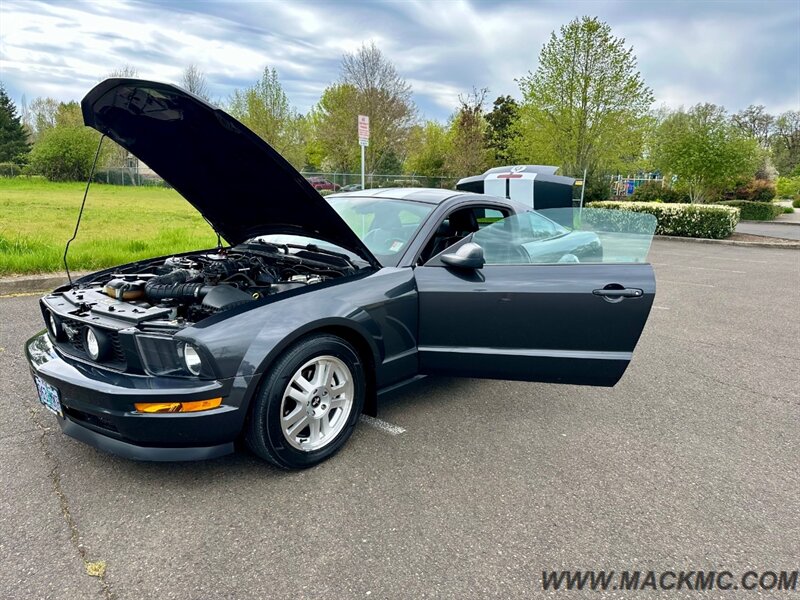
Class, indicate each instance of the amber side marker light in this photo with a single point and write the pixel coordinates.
(177, 407)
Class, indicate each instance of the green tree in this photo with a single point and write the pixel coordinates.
(704, 150)
(265, 109)
(69, 114)
(369, 85)
(428, 147)
(64, 153)
(335, 119)
(14, 146)
(469, 153)
(501, 122)
(41, 115)
(586, 106)
(46, 113)
(785, 142)
(314, 152)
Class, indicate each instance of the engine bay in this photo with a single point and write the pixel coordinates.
(185, 289)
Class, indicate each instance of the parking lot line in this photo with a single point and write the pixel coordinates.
(700, 268)
(760, 262)
(661, 307)
(382, 425)
(708, 285)
(709, 257)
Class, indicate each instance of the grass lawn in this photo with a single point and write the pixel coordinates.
(120, 224)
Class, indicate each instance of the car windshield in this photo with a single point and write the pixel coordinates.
(385, 226)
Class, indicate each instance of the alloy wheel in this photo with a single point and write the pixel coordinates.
(316, 403)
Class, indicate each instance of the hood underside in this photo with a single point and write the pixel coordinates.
(237, 181)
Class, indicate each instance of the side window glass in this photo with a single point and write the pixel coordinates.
(543, 228)
(568, 236)
(487, 216)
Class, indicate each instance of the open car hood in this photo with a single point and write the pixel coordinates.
(237, 181)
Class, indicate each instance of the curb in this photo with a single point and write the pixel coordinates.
(779, 245)
(791, 223)
(32, 284)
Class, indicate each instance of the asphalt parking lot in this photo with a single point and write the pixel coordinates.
(690, 462)
(788, 231)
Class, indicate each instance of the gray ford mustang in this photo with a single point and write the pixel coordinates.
(317, 306)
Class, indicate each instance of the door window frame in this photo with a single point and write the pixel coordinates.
(506, 211)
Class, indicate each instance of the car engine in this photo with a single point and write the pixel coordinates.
(188, 288)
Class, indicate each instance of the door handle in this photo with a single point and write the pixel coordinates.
(614, 292)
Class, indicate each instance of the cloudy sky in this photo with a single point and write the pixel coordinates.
(733, 53)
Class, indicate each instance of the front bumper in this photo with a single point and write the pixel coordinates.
(98, 408)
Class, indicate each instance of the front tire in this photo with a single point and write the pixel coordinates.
(308, 403)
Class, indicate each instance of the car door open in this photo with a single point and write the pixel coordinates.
(563, 296)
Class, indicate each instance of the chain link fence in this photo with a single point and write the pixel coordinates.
(622, 187)
(321, 180)
(380, 180)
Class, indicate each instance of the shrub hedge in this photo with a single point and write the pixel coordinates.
(756, 190)
(684, 220)
(755, 211)
(8, 169)
(796, 202)
(788, 187)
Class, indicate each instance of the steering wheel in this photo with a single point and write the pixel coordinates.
(383, 240)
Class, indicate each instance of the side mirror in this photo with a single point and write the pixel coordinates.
(468, 256)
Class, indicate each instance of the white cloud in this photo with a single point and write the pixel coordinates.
(731, 53)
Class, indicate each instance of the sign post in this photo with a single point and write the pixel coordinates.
(583, 187)
(363, 141)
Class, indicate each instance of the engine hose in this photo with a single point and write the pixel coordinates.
(173, 286)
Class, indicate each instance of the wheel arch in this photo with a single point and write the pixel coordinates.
(360, 339)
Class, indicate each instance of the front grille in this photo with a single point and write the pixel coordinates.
(74, 343)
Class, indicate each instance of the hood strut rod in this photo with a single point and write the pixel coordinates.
(83, 203)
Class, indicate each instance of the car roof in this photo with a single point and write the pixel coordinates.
(425, 195)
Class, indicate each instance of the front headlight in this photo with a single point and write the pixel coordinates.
(54, 327)
(163, 355)
(191, 359)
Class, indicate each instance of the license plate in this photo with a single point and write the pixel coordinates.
(48, 396)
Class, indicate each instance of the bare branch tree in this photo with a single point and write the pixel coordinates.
(469, 153)
(384, 96)
(124, 71)
(755, 122)
(194, 81)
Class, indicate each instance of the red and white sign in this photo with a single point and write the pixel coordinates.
(363, 130)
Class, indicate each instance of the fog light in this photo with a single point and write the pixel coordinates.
(176, 407)
(192, 359)
(96, 343)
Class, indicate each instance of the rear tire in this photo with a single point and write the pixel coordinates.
(308, 403)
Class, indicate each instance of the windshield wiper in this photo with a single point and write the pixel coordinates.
(310, 247)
